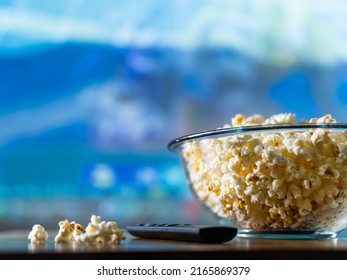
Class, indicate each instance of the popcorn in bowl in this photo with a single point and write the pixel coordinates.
(272, 176)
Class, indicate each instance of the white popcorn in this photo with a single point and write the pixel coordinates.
(97, 231)
(78, 230)
(281, 119)
(326, 119)
(271, 180)
(103, 232)
(38, 234)
(65, 234)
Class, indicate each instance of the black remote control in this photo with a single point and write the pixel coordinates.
(184, 232)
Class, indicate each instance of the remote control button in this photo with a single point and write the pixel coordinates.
(171, 225)
(147, 225)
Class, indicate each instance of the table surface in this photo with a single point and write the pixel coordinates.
(15, 245)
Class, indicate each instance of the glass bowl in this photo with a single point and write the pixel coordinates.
(271, 181)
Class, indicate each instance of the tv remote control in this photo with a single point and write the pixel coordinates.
(184, 232)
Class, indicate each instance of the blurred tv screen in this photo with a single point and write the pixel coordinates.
(92, 93)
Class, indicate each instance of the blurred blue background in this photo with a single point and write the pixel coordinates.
(91, 92)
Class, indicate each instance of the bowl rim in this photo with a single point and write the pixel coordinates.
(249, 129)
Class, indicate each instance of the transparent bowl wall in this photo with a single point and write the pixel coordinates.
(280, 189)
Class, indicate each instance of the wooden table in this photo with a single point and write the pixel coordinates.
(15, 245)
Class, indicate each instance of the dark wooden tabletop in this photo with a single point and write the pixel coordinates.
(15, 245)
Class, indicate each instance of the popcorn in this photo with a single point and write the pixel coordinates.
(281, 119)
(283, 180)
(38, 234)
(97, 231)
(78, 230)
(65, 234)
(103, 232)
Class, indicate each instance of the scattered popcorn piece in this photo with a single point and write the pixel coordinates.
(103, 232)
(271, 180)
(97, 231)
(38, 234)
(65, 234)
(78, 230)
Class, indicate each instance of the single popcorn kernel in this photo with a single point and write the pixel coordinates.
(65, 234)
(78, 230)
(238, 120)
(38, 234)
